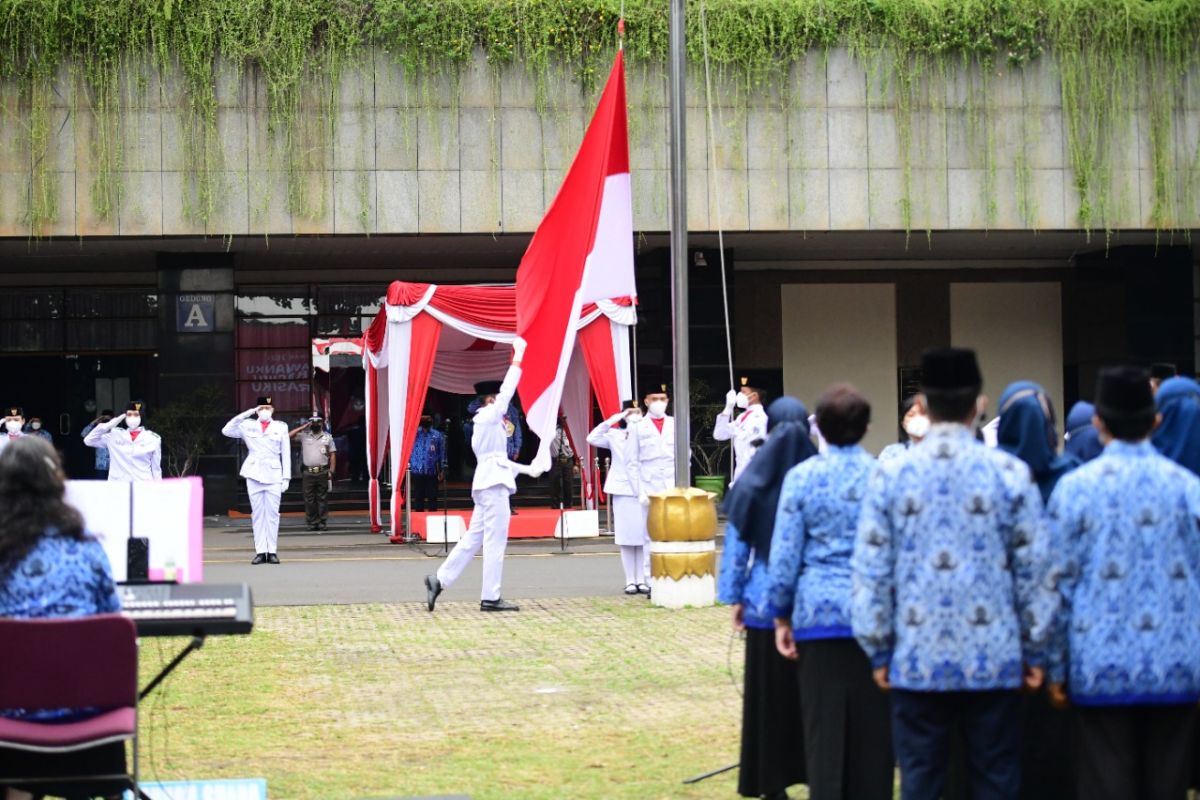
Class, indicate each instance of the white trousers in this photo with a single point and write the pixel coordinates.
(631, 561)
(489, 528)
(264, 512)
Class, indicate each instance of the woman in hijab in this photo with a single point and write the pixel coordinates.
(1083, 440)
(1178, 435)
(772, 747)
(1026, 430)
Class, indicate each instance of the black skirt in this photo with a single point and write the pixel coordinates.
(772, 740)
(847, 723)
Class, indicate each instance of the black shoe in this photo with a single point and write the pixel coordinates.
(259, 558)
(272, 558)
(433, 587)
(312, 526)
(497, 605)
(322, 526)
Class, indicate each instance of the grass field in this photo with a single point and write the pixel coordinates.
(579, 698)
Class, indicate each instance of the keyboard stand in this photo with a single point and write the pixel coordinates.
(195, 644)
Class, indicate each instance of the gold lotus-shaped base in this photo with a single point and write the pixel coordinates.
(678, 565)
(682, 515)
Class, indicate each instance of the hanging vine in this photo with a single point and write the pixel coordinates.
(1115, 57)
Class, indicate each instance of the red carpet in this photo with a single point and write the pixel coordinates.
(528, 523)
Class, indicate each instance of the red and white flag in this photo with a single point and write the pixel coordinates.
(580, 253)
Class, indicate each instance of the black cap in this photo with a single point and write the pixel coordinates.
(1124, 393)
(1162, 370)
(265, 401)
(950, 369)
(484, 388)
(14, 411)
(628, 404)
(136, 405)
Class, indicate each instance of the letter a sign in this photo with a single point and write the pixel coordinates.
(194, 313)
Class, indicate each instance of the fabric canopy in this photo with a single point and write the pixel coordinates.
(450, 337)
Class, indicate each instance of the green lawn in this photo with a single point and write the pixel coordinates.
(581, 698)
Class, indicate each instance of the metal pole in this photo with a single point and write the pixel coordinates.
(608, 501)
(408, 534)
(679, 259)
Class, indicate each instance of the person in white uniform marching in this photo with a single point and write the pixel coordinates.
(134, 453)
(623, 487)
(747, 430)
(267, 470)
(490, 490)
(14, 424)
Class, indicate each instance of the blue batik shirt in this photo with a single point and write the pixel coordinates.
(950, 570)
(815, 531)
(428, 453)
(1127, 544)
(59, 577)
(743, 579)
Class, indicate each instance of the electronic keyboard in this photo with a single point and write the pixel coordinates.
(188, 609)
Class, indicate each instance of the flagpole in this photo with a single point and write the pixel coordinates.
(679, 260)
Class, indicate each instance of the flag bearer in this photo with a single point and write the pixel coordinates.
(14, 423)
(267, 470)
(623, 488)
(491, 489)
(747, 430)
(134, 453)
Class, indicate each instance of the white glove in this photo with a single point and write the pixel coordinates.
(251, 412)
(615, 419)
(730, 401)
(331, 484)
(115, 421)
(283, 487)
(534, 473)
(519, 346)
(644, 499)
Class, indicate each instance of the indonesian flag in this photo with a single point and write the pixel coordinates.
(580, 253)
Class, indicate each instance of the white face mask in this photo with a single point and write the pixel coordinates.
(12, 426)
(265, 414)
(743, 400)
(916, 427)
(658, 408)
(133, 423)
(37, 426)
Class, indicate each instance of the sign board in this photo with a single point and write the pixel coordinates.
(168, 512)
(243, 789)
(195, 313)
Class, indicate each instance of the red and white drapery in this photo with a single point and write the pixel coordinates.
(451, 337)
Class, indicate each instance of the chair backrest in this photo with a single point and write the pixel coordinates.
(68, 663)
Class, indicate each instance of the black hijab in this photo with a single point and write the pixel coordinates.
(752, 502)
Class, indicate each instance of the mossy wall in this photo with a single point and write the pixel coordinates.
(164, 117)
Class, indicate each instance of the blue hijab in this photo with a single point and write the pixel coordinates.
(1027, 431)
(1083, 440)
(1178, 437)
(751, 503)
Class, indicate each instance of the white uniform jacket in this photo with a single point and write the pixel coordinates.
(750, 426)
(623, 479)
(489, 438)
(269, 456)
(655, 454)
(129, 459)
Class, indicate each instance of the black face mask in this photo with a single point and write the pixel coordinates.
(317, 427)
(426, 424)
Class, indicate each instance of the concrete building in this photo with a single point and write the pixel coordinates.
(859, 230)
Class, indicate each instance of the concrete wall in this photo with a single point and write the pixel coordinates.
(481, 158)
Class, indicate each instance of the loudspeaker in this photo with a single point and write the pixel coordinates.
(137, 559)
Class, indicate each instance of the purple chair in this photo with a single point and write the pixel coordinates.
(81, 662)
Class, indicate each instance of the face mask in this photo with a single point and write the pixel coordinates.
(317, 427)
(12, 426)
(133, 423)
(265, 414)
(743, 401)
(37, 426)
(658, 408)
(917, 426)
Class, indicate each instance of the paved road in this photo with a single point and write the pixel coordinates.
(345, 565)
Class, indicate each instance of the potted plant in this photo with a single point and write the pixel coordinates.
(710, 457)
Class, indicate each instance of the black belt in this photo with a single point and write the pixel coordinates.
(316, 470)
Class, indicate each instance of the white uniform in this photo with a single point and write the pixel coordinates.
(493, 485)
(130, 458)
(6, 437)
(655, 454)
(750, 426)
(267, 470)
(623, 487)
